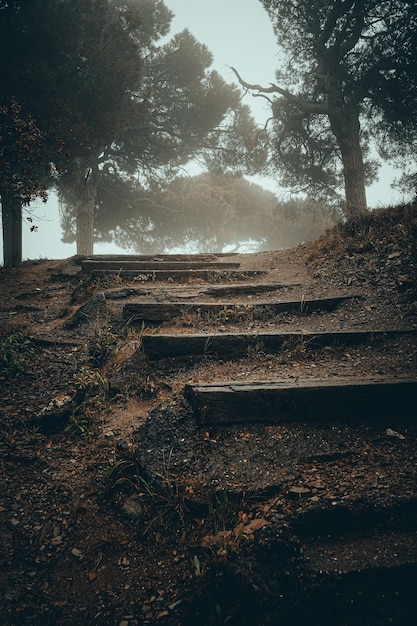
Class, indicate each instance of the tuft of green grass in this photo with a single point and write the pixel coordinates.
(15, 350)
(92, 389)
(102, 344)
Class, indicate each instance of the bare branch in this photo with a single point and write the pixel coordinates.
(262, 95)
(306, 106)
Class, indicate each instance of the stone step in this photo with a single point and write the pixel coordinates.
(161, 311)
(303, 400)
(232, 345)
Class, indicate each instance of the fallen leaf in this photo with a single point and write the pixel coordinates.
(76, 552)
(219, 539)
(253, 526)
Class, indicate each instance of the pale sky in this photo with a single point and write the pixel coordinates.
(238, 33)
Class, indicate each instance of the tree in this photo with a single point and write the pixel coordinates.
(187, 111)
(77, 67)
(205, 212)
(73, 67)
(22, 167)
(211, 211)
(26, 149)
(341, 59)
(109, 56)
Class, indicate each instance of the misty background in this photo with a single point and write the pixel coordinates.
(238, 33)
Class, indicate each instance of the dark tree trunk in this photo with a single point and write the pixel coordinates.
(85, 227)
(347, 131)
(344, 121)
(86, 196)
(11, 207)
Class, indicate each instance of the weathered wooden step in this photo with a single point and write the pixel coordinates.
(233, 345)
(197, 290)
(149, 266)
(388, 531)
(357, 579)
(259, 460)
(157, 257)
(160, 311)
(179, 275)
(303, 399)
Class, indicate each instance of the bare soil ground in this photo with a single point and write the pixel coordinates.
(118, 507)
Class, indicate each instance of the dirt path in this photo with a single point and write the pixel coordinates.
(119, 505)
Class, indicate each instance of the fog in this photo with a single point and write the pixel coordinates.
(46, 242)
(244, 38)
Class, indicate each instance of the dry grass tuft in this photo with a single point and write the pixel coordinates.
(378, 231)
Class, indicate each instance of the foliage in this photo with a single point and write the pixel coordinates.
(185, 111)
(91, 383)
(304, 219)
(28, 145)
(91, 392)
(344, 80)
(211, 211)
(74, 68)
(102, 343)
(111, 109)
(23, 164)
(15, 350)
(378, 231)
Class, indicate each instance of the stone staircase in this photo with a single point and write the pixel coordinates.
(329, 463)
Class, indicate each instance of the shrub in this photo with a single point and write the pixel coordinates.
(14, 353)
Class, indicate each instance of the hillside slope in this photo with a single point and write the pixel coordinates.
(124, 501)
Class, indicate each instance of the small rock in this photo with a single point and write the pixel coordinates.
(76, 552)
(57, 412)
(56, 540)
(393, 433)
(133, 507)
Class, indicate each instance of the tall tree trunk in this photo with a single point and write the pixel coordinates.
(11, 207)
(346, 128)
(86, 196)
(344, 121)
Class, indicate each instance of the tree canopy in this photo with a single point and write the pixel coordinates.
(107, 105)
(336, 90)
(186, 110)
(211, 212)
(72, 68)
(95, 101)
(111, 98)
